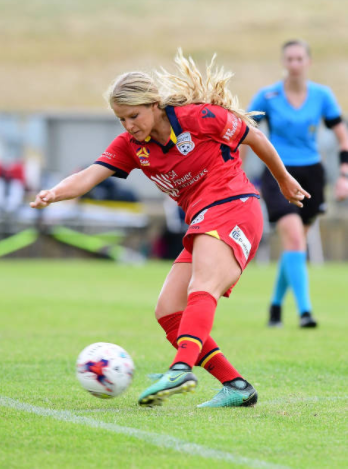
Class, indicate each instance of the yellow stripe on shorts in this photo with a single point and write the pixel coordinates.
(213, 233)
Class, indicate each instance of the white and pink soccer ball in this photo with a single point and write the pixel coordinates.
(105, 370)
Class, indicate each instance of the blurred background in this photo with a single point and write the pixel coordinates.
(57, 58)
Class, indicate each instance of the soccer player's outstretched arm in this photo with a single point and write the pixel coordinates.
(263, 148)
(73, 186)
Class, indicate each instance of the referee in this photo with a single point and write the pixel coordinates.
(293, 110)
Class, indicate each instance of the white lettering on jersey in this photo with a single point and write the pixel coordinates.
(179, 182)
(163, 182)
(239, 237)
(184, 143)
(188, 180)
(168, 184)
(171, 174)
(108, 155)
(230, 131)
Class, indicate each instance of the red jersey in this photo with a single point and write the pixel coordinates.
(200, 164)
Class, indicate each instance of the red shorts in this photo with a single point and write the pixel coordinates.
(238, 224)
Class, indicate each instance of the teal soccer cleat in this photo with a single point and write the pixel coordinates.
(178, 379)
(236, 393)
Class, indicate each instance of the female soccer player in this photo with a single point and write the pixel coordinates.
(184, 133)
(293, 110)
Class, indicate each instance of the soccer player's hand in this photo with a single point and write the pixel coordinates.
(292, 190)
(43, 199)
(341, 188)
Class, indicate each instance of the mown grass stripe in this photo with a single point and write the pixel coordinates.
(156, 439)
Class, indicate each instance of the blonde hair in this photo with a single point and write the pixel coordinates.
(133, 89)
(188, 87)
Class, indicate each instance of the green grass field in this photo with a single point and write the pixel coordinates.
(51, 310)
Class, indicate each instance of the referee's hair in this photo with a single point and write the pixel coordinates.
(297, 42)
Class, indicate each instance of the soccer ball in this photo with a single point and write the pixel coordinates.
(105, 370)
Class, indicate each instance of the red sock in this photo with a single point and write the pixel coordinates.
(210, 358)
(195, 326)
(170, 324)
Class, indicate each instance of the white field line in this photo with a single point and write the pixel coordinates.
(155, 439)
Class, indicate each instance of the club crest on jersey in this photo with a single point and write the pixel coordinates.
(143, 155)
(184, 143)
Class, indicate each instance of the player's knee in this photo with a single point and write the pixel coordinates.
(292, 233)
(166, 305)
(160, 310)
(299, 245)
(295, 243)
(208, 287)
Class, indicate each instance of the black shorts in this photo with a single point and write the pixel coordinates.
(311, 178)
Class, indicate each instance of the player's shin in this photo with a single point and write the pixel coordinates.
(195, 326)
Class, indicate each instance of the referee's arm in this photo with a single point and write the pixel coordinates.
(341, 133)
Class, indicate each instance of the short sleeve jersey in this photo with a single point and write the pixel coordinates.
(198, 166)
(293, 131)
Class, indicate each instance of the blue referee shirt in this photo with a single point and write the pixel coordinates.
(293, 131)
